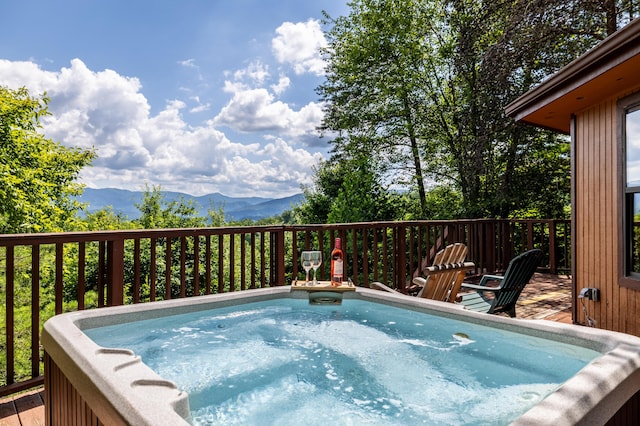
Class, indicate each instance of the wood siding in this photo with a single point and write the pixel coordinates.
(63, 404)
(598, 218)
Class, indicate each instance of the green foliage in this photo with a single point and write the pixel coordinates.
(37, 175)
(420, 87)
(444, 202)
(106, 220)
(347, 191)
(361, 196)
(319, 196)
(374, 93)
(159, 213)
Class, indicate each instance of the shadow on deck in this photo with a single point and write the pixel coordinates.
(546, 297)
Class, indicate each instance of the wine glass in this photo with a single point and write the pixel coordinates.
(305, 259)
(316, 261)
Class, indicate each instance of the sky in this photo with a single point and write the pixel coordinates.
(195, 96)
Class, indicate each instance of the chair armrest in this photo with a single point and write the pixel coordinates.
(419, 281)
(379, 286)
(483, 281)
(480, 287)
(485, 278)
(462, 266)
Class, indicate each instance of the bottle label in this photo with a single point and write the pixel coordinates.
(337, 267)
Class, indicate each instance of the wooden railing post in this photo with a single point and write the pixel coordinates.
(529, 235)
(553, 267)
(490, 244)
(9, 314)
(277, 275)
(400, 268)
(115, 272)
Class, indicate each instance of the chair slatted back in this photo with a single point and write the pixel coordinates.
(518, 274)
(445, 276)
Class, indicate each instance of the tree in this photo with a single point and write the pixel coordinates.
(421, 86)
(374, 91)
(347, 191)
(160, 213)
(37, 175)
(362, 196)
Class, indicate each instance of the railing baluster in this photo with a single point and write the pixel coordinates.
(9, 314)
(243, 262)
(101, 262)
(294, 254)
(552, 246)
(232, 258)
(183, 267)
(385, 256)
(412, 248)
(152, 270)
(207, 256)
(262, 260)
(35, 310)
(136, 270)
(376, 266)
(58, 283)
(253, 260)
(365, 258)
(196, 265)
(401, 275)
(221, 263)
(325, 262)
(167, 272)
(81, 274)
(279, 255)
(354, 254)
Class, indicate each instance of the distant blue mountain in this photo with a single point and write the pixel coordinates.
(254, 208)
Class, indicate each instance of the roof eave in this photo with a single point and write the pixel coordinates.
(612, 51)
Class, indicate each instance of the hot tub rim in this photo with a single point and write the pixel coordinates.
(605, 342)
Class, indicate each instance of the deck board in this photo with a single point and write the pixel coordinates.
(545, 297)
(24, 409)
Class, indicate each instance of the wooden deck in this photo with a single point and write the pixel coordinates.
(24, 409)
(546, 297)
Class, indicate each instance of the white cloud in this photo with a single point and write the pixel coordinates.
(254, 108)
(108, 111)
(257, 110)
(188, 63)
(299, 45)
(282, 85)
(280, 167)
(191, 65)
(256, 72)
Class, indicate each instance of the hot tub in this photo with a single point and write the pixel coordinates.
(84, 380)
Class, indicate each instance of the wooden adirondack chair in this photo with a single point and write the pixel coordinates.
(502, 298)
(441, 280)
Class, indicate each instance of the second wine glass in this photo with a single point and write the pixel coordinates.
(305, 259)
(316, 261)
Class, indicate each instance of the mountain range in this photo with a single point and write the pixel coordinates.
(235, 208)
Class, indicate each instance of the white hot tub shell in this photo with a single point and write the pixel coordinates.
(113, 386)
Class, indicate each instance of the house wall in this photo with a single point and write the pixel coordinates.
(598, 220)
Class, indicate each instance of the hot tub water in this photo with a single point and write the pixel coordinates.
(285, 362)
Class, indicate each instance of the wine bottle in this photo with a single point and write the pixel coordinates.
(337, 265)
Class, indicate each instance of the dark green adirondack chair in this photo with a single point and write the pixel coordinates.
(503, 297)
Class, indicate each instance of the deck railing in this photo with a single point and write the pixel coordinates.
(42, 275)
